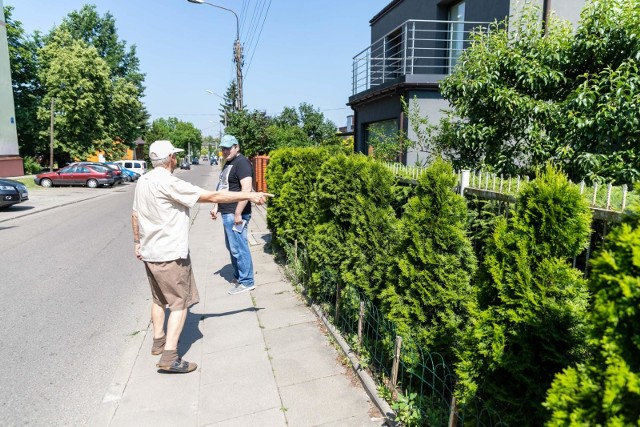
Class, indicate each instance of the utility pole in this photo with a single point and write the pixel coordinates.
(238, 59)
(51, 139)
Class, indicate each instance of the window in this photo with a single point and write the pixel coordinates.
(456, 33)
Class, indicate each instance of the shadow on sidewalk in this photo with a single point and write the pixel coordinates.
(191, 332)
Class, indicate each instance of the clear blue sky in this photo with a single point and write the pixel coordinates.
(304, 53)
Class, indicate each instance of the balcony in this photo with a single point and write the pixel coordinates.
(417, 51)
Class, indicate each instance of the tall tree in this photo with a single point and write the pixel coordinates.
(77, 80)
(126, 113)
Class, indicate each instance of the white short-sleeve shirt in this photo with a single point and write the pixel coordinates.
(162, 203)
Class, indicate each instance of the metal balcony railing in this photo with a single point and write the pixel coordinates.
(414, 47)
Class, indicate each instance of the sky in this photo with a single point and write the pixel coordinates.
(301, 52)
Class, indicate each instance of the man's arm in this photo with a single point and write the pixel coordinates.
(246, 184)
(136, 234)
(233, 196)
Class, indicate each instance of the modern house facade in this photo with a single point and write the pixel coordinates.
(414, 45)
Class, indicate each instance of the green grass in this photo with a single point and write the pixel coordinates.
(28, 182)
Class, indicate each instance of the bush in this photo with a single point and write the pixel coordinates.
(529, 319)
(31, 165)
(605, 390)
(432, 264)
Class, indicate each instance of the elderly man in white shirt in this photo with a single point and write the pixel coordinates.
(160, 222)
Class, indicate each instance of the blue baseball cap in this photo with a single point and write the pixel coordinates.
(228, 141)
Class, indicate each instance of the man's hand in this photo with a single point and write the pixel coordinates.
(136, 251)
(260, 198)
(214, 214)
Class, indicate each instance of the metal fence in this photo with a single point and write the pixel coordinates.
(401, 367)
(414, 47)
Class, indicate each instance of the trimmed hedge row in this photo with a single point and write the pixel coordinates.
(506, 325)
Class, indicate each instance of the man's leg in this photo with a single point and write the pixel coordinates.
(174, 328)
(159, 337)
(230, 242)
(245, 263)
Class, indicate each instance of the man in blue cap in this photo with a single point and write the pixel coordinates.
(236, 175)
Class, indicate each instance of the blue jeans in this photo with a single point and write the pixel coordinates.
(238, 246)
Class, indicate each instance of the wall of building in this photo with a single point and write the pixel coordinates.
(475, 10)
(566, 9)
(10, 162)
(430, 105)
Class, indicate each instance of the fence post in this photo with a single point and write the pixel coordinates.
(396, 362)
(609, 196)
(453, 420)
(624, 196)
(337, 301)
(360, 323)
(464, 180)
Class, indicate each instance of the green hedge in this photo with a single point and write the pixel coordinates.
(506, 326)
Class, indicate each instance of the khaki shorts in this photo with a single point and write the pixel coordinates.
(172, 283)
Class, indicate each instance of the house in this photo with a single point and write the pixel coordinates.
(414, 45)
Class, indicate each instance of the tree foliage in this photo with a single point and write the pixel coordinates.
(529, 318)
(522, 96)
(605, 389)
(432, 265)
(181, 134)
(94, 82)
(77, 80)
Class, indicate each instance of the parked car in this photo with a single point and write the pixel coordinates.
(138, 166)
(129, 175)
(185, 164)
(117, 173)
(90, 175)
(195, 160)
(12, 192)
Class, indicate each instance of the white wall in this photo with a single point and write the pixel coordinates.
(431, 108)
(565, 9)
(8, 132)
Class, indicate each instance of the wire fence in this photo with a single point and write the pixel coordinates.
(404, 371)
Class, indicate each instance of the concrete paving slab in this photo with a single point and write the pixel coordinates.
(295, 337)
(270, 418)
(276, 318)
(303, 365)
(323, 401)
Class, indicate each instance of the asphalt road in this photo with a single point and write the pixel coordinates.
(73, 295)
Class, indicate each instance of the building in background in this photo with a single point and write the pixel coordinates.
(414, 45)
(10, 160)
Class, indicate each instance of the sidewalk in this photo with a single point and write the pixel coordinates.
(263, 359)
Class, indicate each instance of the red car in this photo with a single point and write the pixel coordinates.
(86, 175)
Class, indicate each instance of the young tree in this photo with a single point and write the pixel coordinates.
(77, 80)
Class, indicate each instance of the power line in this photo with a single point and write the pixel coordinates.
(258, 39)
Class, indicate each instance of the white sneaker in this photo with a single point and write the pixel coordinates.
(239, 288)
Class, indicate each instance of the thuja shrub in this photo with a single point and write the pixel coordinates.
(605, 390)
(355, 229)
(291, 176)
(528, 322)
(429, 287)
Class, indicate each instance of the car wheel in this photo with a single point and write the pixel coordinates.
(92, 183)
(46, 182)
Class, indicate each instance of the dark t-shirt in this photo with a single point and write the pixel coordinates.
(234, 170)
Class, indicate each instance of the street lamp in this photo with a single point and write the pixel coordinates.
(237, 49)
(225, 104)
